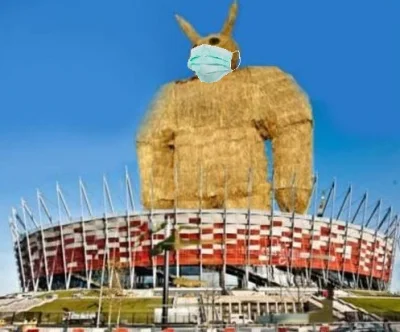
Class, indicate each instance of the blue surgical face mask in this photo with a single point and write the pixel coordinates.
(211, 63)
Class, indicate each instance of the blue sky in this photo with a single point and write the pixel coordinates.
(76, 78)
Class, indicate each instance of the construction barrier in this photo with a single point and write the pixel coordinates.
(230, 329)
(28, 327)
(78, 330)
(357, 326)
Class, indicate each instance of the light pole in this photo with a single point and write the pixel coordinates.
(164, 321)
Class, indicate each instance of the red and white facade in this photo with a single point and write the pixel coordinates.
(317, 247)
(60, 254)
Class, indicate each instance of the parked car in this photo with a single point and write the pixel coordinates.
(240, 319)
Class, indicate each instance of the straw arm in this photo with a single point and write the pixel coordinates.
(284, 116)
(292, 155)
(155, 153)
(292, 146)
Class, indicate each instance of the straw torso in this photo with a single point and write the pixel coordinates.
(206, 142)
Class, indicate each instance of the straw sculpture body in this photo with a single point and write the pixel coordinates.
(199, 141)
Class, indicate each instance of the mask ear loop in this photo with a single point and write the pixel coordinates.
(240, 59)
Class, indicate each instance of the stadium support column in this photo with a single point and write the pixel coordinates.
(388, 234)
(26, 210)
(23, 222)
(271, 226)
(313, 193)
(312, 228)
(83, 196)
(351, 222)
(106, 251)
(108, 202)
(16, 245)
(200, 224)
(44, 255)
(290, 260)
(176, 190)
(165, 302)
(394, 247)
(311, 247)
(375, 210)
(365, 201)
(42, 206)
(128, 230)
(46, 270)
(106, 256)
(224, 246)
(328, 258)
(130, 206)
(60, 200)
(330, 231)
(348, 197)
(43, 244)
(102, 282)
(249, 196)
(153, 259)
(387, 216)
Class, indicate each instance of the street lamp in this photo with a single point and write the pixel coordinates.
(165, 296)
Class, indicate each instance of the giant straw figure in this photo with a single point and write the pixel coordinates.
(199, 141)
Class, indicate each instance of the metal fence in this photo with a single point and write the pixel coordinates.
(59, 318)
(116, 318)
(343, 327)
(148, 318)
(145, 322)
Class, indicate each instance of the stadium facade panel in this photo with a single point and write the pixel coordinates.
(316, 250)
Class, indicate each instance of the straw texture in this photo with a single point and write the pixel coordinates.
(219, 130)
(222, 39)
(199, 141)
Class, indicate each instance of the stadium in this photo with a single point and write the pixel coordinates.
(231, 232)
(334, 244)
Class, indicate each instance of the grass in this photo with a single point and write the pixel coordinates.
(70, 293)
(371, 293)
(323, 315)
(90, 305)
(133, 310)
(377, 306)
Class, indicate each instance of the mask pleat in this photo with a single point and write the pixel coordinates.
(210, 63)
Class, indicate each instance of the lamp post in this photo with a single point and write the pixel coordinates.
(164, 320)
